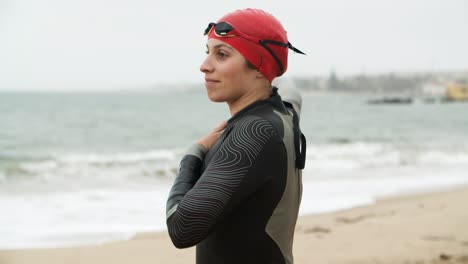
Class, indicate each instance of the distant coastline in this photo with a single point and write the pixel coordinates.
(412, 84)
(408, 84)
(415, 84)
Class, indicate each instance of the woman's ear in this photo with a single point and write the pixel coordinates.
(259, 75)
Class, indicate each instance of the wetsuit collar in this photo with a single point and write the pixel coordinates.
(274, 99)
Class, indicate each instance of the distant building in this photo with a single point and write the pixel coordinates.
(433, 89)
(457, 92)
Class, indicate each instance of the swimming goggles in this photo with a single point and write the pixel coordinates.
(224, 29)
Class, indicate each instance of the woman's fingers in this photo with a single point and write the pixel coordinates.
(208, 140)
(220, 127)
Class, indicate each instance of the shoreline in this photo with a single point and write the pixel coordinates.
(423, 227)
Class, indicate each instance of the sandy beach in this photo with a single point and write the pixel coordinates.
(407, 229)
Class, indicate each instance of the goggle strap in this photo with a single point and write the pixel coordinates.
(295, 49)
(286, 45)
(263, 43)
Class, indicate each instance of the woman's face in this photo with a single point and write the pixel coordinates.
(227, 76)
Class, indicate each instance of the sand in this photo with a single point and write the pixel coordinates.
(411, 229)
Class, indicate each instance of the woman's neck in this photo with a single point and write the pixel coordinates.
(248, 99)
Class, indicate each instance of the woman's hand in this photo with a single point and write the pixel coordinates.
(208, 140)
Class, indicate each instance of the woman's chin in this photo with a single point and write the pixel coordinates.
(215, 98)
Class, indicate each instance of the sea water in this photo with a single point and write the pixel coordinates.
(89, 167)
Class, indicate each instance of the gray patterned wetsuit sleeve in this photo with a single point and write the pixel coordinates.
(189, 172)
(200, 200)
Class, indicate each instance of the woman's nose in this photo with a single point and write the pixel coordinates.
(206, 65)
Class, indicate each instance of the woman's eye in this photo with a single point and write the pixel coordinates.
(221, 55)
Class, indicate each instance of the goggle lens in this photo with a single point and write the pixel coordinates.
(221, 29)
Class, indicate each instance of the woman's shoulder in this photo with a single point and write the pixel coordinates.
(256, 126)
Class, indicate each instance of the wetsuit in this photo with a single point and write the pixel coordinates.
(239, 201)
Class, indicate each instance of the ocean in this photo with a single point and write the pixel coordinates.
(81, 168)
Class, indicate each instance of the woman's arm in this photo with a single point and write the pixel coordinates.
(210, 199)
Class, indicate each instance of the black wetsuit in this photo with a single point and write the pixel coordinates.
(239, 201)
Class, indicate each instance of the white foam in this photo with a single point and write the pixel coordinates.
(439, 157)
(155, 155)
(75, 171)
(360, 155)
(65, 218)
(96, 198)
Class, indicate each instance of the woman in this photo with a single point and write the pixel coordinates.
(237, 193)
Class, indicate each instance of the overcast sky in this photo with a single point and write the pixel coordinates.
(106, 44)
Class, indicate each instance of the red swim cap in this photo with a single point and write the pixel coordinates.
(263, 26)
